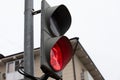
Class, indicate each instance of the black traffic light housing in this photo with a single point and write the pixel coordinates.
(56, 49)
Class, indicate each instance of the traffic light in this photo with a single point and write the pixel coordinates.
(56, 49)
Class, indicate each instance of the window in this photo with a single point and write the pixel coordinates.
(12, 70)
(18, 63)
(21, 63)
(14, 65)
(10, 67)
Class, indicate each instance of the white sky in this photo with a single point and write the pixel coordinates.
(95, 22)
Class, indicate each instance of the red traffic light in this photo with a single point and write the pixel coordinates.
(61, 53)
(56, 49)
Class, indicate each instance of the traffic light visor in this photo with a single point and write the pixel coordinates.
(59, 19)
(60, 53)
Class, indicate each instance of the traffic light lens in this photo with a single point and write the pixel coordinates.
(60, 53)
(56, 57)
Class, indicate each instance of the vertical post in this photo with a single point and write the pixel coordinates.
(28, 39)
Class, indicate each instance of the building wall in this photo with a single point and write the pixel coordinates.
(78, 68)
(2, 71)
(37, 69)
(75, 70)
(2, 67)
(68, 72)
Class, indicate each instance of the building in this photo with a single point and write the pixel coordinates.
(81, 67)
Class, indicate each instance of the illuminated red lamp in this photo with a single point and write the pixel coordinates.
(61, 53)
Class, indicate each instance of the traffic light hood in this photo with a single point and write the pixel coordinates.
(58, 19)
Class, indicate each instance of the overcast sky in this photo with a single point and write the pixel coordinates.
(95, 22)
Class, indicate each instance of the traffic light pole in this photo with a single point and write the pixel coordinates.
(28, 39)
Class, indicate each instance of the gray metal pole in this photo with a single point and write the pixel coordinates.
(28, 39)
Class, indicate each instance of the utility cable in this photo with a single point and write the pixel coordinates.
(21, 71)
